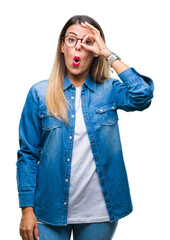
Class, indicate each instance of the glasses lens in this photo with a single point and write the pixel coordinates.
(89, 42)
(70, 41)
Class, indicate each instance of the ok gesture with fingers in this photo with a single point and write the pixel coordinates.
(99, 47)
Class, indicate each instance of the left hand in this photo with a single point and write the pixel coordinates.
(99, 47)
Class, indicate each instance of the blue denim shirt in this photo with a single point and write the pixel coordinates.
(46, 144)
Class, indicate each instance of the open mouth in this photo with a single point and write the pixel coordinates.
(76, 61)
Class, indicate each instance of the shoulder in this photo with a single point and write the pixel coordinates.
(38, 89)
(37, 92)
(39, 86)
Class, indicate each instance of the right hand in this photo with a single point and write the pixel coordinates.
(28, 225)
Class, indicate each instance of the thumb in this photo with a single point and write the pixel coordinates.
(93, 48)
(36, 233)
(85, 46)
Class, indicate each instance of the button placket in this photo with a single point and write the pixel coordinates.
(94, 150)
(69, 149)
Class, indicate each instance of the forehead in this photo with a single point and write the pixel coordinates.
(78, 30)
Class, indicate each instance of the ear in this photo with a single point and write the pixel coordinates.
(62, 46)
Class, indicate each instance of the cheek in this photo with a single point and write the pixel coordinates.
(67, 56)
(67, 53)
(89, 59)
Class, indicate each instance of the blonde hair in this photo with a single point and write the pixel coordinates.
(56, 101)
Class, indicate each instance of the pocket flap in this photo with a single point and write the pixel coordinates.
(107, 114)
(106, 107)
(44, 113)
(49, 122)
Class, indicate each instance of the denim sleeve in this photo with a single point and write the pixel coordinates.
(134, 92)
(30, 150)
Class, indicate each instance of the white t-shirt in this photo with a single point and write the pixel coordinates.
(86, 202)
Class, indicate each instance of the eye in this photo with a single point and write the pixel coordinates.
(89, 42)
(71, 39)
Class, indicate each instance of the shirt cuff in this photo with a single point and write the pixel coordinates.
(26, 199)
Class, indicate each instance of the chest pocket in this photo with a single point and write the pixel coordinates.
(107, 114)
(48, 121)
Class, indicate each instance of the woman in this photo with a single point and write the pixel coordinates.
(70, 168)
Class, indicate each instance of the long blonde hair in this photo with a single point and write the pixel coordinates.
(56, 101)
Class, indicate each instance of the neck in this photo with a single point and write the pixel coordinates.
(77, 80)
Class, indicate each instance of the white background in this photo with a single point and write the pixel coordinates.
(138, 31)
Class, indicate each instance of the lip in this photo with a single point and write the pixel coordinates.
(76, 63)
(77, 57)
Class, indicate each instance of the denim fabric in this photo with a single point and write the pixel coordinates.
(46, 144)
(85, 231)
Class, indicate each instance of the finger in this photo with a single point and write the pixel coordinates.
(24, 235)
(30, 234)
(90, 37)
(89, 48)
(86, 46)
(88, 25)
(36, 233)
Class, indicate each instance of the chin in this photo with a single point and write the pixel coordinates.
(76, 71)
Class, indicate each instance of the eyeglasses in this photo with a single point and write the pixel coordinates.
(71, 41)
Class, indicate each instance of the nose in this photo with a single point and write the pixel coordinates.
(78, 46)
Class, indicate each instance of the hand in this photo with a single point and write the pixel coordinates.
(99, 47)
(28, 225)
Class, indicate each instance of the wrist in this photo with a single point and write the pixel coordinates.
(27, 209)
(105, 53)
(111, 57)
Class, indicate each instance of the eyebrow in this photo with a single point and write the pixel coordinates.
(75, 34)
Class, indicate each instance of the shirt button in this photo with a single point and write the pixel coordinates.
(108, 200)
(102, 179)
(83, 98)
(65, 203)
(72, 116)
(70, 137)
(66, 180)
(68, 159)
(86, 117)
(42, 115)
(113, 108)
(72, 97)
(72, 86)
(97, 159)
(101, 110)
(92, 138)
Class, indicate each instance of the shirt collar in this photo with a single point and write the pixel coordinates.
(88, 82)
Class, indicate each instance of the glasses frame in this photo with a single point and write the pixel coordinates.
(74, 37)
